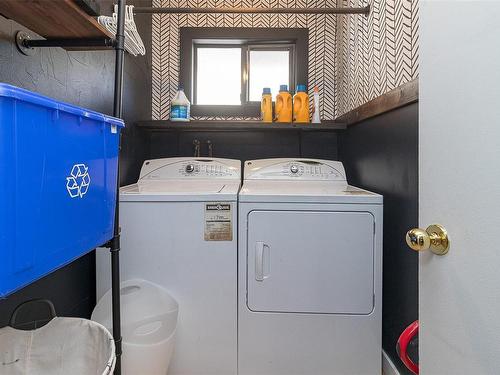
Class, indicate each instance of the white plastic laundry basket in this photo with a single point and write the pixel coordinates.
(149, 320)
(63, 346)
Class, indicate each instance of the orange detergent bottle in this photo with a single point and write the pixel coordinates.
(301, 105)
(266, 105)
(283, 105)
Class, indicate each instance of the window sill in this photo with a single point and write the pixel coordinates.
(247, 110)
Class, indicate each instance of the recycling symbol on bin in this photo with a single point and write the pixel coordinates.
(78, 182)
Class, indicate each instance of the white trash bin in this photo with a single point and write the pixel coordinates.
(148, 322)
(63, 346)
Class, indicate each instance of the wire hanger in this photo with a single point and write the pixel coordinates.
(133, 41)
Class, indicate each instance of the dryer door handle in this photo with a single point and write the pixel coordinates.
(261, 261)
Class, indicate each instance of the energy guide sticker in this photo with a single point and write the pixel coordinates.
(218, 222)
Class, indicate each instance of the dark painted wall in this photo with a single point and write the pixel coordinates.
(85, 79)
(246, 145)
(381, 154)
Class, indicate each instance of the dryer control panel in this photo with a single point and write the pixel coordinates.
(295, 169)
(190, 168)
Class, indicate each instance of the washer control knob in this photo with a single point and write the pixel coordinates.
(294, 169)
(190, 168)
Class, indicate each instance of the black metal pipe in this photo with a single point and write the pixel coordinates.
(115, 243)
(339, 10)
(115, 298)
(69, 43)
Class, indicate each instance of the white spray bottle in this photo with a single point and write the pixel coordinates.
(315, 117)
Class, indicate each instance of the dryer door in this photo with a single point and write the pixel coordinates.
(310, 262)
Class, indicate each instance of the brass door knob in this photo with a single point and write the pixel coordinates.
(435, 238)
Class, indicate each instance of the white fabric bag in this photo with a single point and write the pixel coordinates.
(61, 347)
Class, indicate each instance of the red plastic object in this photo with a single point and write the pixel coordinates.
(408, 334)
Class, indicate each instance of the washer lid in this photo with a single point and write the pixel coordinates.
(304, 192)
(181, 190)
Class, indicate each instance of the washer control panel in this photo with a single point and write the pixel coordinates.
(179, 168)
(295, 169)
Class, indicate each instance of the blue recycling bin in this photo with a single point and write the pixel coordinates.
(58, 174)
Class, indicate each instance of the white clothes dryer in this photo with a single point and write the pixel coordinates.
(310, 271)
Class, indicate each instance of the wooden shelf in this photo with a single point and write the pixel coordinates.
(55, 19)
(227, 125)
(403, 95)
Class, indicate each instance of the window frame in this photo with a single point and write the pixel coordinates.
(274, 38)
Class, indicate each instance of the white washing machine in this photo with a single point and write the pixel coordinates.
(310, 271)
(178, 230)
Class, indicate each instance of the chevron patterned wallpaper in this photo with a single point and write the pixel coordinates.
(377, 53)
(352, 59)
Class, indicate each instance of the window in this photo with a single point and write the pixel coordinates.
(234, 75)
(269, 67)
(224, 70)
(218, 72)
